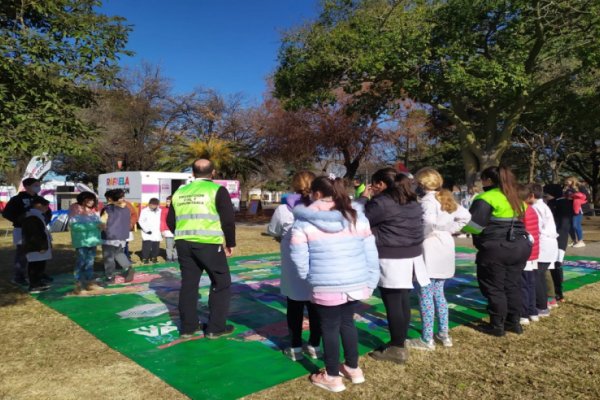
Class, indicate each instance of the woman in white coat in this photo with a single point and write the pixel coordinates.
(443, 217)
(296, 290)
(151, 235)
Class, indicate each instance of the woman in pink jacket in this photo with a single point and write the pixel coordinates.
(572, 192)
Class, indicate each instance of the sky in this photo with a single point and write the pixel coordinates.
(227, 45)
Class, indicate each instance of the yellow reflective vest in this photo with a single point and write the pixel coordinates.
(197, 219)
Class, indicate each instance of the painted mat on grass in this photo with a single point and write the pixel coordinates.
(140, 321)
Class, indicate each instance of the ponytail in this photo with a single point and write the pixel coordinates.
(507, 183)
(301, 183)
(335, 189)
(446, 200)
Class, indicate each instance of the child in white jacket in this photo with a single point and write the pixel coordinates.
(151, 235)
(443, 217)
(548, 249)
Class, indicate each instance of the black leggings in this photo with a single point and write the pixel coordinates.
(295, 319)
(338, 321)
(397, 308)
(557, 278)
(541, 289)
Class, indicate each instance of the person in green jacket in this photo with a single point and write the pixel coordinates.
(359, 188)
(85, 227)
(503, 247)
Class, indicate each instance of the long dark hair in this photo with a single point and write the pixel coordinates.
(507, 183)
(337, 190)
(399, 186)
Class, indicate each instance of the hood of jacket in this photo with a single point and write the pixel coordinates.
(331, 221)
(292, 200)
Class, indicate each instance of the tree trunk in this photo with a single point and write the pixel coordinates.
(532, 166)
(351, 168)
(474, 164)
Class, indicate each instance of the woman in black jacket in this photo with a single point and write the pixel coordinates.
(396, 220)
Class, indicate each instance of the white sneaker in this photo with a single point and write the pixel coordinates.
(579, 244)
(534, 318)
(445, 339)
(419, 344)
(524, 321)
(313, 352)
(293, 353)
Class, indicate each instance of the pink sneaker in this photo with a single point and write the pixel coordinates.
(324, 381)
(354, 374)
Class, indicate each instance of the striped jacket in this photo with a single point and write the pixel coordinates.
(332, 254)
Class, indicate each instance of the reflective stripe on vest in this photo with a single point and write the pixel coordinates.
(197, 219)
(198, 216)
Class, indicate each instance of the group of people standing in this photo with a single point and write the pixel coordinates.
(399, 234)
(334, 253)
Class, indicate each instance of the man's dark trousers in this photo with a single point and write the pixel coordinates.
(194, 258)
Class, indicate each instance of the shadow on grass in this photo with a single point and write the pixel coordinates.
(585, 307)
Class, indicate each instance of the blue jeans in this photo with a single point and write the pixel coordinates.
(84, 269)
(576, 229)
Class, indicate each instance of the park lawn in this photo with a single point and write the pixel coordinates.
(45, 355)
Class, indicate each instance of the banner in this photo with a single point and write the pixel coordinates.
(36, 168)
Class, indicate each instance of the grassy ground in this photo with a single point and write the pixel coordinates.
(45, 355)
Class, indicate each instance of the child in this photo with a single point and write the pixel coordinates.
(84, 224)
(151, 235)
(167, 234)
(296, 290)
(442, 217)
(37, 243)
(528, 281)
(116, 219)
(548, 249)
(397, 222)
(334, 250)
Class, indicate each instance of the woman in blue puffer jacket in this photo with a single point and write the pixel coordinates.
(333, 248)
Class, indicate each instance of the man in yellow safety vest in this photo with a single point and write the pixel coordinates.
(202, 218)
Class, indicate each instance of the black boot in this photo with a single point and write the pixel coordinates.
(513, 325)
(514, 328)
(492, 330)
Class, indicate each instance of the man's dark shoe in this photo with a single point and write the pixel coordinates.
(395, 354)
(146, 262)
(155, 260)
(129, 275)
(215, 335)
(514, 328)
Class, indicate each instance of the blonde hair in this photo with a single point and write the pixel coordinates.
(301, 182)
(573, 182)
(446, 199)
(430, 179)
